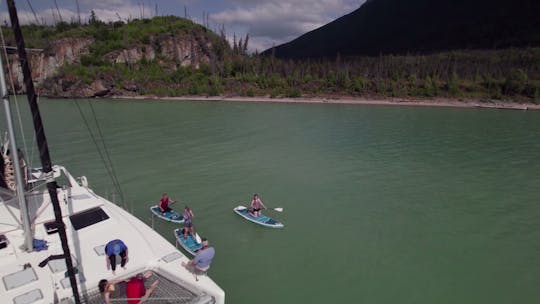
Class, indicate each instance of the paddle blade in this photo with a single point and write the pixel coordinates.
(198, 238)
(279, 209)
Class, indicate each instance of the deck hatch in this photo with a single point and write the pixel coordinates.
(60, 264)
(29, 297)
(172, 257)
(51, 227)
(19, 278)
(88, 217)
(67, 284)
(100, 250)
(3, 241)
(80, 197)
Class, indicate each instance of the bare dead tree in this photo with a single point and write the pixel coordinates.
(33, 12)
(222, 32)
(55, 21)
(205, 19)
(78, 10)
(235, 47)
(245, 46)
(239, 47)
(58, 10)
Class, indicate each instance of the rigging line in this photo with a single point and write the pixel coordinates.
(114, 176)
(95, 142)
(37, 100)
(97, 146)
(12, 83)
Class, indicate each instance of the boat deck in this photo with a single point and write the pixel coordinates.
(90, 221)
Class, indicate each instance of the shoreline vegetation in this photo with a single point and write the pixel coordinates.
(489, 76)
(140, 59)
(407, 102)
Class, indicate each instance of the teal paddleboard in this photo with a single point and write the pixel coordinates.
(190, 243)
(261, 219)
(172, 216)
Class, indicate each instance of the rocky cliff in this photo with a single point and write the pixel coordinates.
(170, 50)
(46, 62)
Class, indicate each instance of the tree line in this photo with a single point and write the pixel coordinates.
(512, 74)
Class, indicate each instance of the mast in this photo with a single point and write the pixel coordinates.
(28, 235)
(42, 145)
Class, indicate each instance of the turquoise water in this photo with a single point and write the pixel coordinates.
(381, 204)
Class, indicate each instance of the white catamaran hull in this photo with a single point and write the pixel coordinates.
(23, 279)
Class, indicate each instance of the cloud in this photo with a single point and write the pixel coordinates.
(114, 10)
(274, 22)
(47, 16)
(268, 22)
(271, 20)
(123, 13)
(103, 3)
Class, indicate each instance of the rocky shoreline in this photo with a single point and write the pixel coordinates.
(438, 102)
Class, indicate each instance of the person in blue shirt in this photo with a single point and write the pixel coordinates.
(202, 260)
(114, 248)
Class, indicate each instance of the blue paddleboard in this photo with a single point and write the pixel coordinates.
(189, 243)
(172, 216)
(261, 219)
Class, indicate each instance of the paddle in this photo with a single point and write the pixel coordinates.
(278, 209)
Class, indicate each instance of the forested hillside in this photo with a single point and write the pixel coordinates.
(171, 56)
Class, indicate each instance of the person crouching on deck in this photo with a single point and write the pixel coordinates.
(114, 248)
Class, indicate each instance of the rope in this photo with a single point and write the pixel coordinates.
(113, 171)
(106, 160)
(105, 156)
(12, 83)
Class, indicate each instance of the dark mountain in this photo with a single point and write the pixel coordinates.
(421, 26)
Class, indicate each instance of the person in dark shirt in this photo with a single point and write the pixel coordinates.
(164, 204)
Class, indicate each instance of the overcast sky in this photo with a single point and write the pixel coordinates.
(268, 22)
